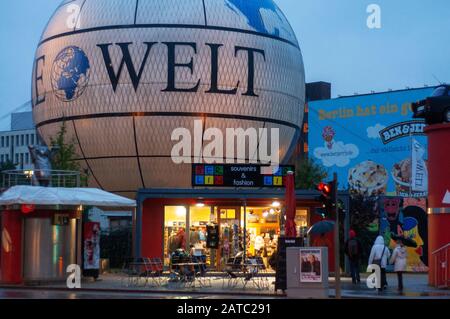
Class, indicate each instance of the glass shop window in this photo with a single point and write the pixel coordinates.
(174, 230)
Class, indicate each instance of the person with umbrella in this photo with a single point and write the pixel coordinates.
(322, 227)
(321, 241)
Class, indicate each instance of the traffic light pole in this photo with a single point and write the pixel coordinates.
(337, 268)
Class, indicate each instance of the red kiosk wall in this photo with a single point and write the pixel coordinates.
(438, 185)
(11, 250)
(438, 236)
(152, 229)
(153, 224)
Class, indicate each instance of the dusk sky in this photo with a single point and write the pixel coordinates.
(411, 48)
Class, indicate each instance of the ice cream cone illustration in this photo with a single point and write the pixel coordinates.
(328, 135)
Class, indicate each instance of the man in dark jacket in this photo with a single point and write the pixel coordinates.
(353, 250)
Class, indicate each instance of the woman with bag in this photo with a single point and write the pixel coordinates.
(399, 260)
(379, 255)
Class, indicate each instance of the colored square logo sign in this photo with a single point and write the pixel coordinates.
(268, 180)
(218, 180)
(209, 180)
(218, 170)
(209, 170)
(199, 170)
(278, 181)
(199, 180)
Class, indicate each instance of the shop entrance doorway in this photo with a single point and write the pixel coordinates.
(230, 222)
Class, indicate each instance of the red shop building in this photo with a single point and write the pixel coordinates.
(253, 214)
(41, 230)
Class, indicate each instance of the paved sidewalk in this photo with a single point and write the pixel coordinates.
(416, 286)
(119, 283)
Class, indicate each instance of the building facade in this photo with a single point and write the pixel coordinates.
(14, 143)
(315, 91)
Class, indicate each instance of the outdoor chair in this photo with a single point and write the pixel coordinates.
(201, 271)
(181, 276)
(233, 271)
(150, 273)
(132, 272)
(125, 273)
(140, 267)
(263, 274)
(156, 271)
(255, 273)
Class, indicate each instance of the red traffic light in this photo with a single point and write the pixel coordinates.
(324, 188)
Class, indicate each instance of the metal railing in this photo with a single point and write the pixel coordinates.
(57, 178)
(441, 262)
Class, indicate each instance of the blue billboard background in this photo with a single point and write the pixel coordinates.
(367, 140)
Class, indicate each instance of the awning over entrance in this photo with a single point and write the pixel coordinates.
(63, 196)
(233, 194)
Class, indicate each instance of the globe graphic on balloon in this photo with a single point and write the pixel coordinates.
(124, 75)
(250, 9)
(70, 73)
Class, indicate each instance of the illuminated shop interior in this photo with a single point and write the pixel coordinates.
(260, 227)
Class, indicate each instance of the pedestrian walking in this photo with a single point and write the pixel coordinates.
(379, 255)
(353, 249)
(398, 258)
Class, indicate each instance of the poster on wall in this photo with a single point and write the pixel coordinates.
(311, 265)
(372, 143)
(407, 218)
(91, 245)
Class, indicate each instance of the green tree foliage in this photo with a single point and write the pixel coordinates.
(65, 154)
(116, 246)
(309, 174)
(63, 158)
(5, 166)
(364, 221)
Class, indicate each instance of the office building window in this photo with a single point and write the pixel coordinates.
(3, 141)
(27, 138)
(32, 139)
(21, 159)
(17, 159)
(17, 140)
(7, 141)
(3, 158)
(7, 157)
(27, 158)
(22, 140)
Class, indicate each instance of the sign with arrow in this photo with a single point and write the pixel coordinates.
(446, 199)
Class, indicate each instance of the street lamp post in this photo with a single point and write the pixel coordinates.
(337, 269)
